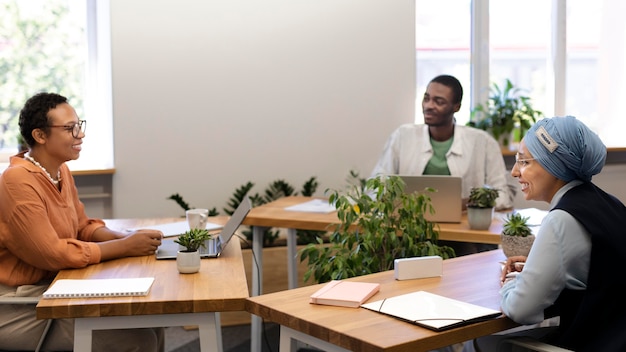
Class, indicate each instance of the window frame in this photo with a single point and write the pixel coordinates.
(98, 106)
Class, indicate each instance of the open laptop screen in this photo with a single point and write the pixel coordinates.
(169, 249)
(446, 200)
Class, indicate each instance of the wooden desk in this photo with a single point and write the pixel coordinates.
(473, 278)
(174, 299)
(274, 215)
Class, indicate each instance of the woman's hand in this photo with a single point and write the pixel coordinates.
(143, 242)
(134, 244)
(512, 266)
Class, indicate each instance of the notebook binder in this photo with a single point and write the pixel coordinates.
(432, 311)
(99, 288)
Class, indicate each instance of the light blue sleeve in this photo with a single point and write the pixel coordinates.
(558, 259)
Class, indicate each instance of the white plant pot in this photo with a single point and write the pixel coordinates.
(188, 262)
(516, 245)
(479, 218)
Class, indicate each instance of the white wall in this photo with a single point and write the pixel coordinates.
(208, 95)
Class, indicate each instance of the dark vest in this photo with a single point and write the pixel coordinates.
(595, 319)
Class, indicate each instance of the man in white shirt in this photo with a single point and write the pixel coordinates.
(441, 147)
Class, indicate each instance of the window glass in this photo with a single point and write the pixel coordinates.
(519, 34)
(42, 48)
(596, 41)
(442, 48)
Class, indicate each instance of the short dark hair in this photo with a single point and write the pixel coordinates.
(34, 114)
(453, 83)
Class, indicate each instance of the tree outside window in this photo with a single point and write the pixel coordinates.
(42, 48)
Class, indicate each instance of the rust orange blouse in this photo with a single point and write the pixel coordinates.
(42, 229)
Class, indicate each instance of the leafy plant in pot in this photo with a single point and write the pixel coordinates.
(188, 259)
(380, 222)
(480, 206)
(507, 115)
(516, 237)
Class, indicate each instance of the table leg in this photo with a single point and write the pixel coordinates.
(292, 268)
(209, 325)
(289, 336)
(258, 233)
(210, 333)
(82, 336)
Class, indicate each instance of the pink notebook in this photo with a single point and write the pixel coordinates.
(344, 293)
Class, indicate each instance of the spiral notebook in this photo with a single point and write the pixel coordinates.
(85, 288)
(432, 311)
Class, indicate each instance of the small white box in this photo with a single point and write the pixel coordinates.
(418, 267)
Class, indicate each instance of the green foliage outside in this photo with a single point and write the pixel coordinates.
(40, 50)
(380, 222)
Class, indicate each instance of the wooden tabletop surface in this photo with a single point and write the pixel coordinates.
(473, 279)
(219, 286)
(273, 214)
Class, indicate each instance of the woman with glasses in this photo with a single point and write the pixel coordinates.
(44, 229)
(571, 269)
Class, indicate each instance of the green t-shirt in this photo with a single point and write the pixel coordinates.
(438, 165)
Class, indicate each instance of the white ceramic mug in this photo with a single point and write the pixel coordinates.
(196, 218)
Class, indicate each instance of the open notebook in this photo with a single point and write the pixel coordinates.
(432, 311)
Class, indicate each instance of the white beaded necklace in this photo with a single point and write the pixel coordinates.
(54, 182)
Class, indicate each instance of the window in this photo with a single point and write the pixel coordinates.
(58, 46)
(442, 48)
(521, 50)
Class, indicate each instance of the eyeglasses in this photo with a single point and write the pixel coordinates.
(76, 128)
(522, 162)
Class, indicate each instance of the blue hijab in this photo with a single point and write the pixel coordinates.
(566, 148)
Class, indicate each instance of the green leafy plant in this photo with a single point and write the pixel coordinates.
(516, 225)
(482, 197)
(193, 239)
(36, 42)
(275, 190)
(180, 201)
(507, 115)
(379, 223)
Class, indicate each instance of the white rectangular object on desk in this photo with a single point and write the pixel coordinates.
(313, 206)
(418, 267)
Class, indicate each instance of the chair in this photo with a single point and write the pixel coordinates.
(33, 301)
(525, 344)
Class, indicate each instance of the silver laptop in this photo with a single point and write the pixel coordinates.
(168, 248)
(446, 201)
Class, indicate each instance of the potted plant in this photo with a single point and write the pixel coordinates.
(480, 206)
(188, 259)
(507, 115)
(517, 238)
(379, 222)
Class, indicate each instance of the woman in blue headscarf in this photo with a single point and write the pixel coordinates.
(570, 270)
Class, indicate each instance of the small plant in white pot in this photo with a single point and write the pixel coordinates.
(188, 259)
(480, 206)
(517, 238)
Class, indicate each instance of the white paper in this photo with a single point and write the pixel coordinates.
(175, 228)
(430, 310)
(313, 206)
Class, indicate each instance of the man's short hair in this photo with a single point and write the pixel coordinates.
(454, 84)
